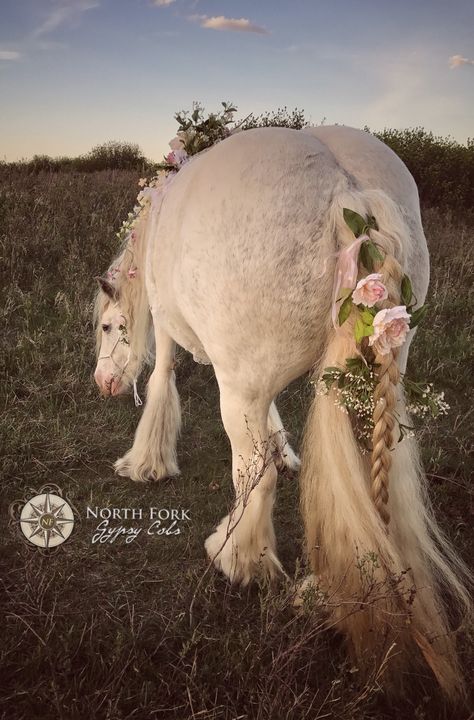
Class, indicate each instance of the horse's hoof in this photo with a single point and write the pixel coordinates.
(239, 557)
(124, 468)
(141, 473)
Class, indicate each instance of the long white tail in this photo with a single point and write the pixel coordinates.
(371, 536)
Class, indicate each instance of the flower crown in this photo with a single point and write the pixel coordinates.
(196, 133)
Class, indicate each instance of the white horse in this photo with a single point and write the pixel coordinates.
(235, 264)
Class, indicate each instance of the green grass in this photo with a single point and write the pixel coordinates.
(122, 632)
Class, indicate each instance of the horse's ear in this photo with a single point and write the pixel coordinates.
(107, 287)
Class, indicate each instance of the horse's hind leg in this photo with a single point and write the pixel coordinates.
(284, 454)
(153, 454)
(243, 545)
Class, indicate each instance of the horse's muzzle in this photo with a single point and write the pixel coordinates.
(110, 386)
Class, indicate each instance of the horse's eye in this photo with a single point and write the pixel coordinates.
(106, 328)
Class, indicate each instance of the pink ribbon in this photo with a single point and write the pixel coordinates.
(345, 273)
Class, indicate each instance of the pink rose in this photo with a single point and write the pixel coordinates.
(370, 290)
(390, 329)
(132, 273)
(177, 157)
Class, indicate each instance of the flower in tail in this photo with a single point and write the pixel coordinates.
(391, 326)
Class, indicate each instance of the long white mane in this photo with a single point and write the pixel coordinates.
(126, 275)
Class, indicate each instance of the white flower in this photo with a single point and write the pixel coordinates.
(370, 290)
(176, 143)
(390, 329)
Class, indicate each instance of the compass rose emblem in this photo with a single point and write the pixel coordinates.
(46, 520)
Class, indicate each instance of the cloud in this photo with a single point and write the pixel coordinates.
(163, 3)
(220, 22)
(9, 55)
(456, 61)
(64, 12)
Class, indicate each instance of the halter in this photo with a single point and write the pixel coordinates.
(136, 397)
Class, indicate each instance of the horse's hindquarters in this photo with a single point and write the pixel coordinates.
(240, 250)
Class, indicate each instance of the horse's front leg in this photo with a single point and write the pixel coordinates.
(243, 545)
(153, 454)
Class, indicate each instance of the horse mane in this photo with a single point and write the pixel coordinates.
(126, 275)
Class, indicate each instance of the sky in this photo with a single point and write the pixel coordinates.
(77, 73)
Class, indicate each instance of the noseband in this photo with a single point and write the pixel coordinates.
(122, 369)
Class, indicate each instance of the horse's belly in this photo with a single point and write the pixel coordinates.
(166, 313)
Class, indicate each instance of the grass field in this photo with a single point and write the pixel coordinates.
(142, 630)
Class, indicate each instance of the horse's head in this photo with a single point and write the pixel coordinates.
(117, 363)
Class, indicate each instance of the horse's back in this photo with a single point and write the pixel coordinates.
(242, 228)
(242, 242)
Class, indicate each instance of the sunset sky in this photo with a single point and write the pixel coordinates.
(75, 73)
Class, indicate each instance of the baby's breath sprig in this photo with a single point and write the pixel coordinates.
(354, 386)
(422, 400)
(354, 394)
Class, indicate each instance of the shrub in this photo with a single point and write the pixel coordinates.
(113, 155)
(281, 117)
(443, 168)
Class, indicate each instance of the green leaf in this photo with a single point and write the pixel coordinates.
(345, 310)
(365, 258)
(359, 330)
(375, 253)
(367, 316)
(368, 330)
(355, 363)
(407, 292)
(355, 221)
(418, 316)
(344, 293)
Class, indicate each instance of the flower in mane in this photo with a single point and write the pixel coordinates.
(195, 134)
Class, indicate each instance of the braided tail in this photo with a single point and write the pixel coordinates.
(384, 424)
(390, 576)
(385, 401)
